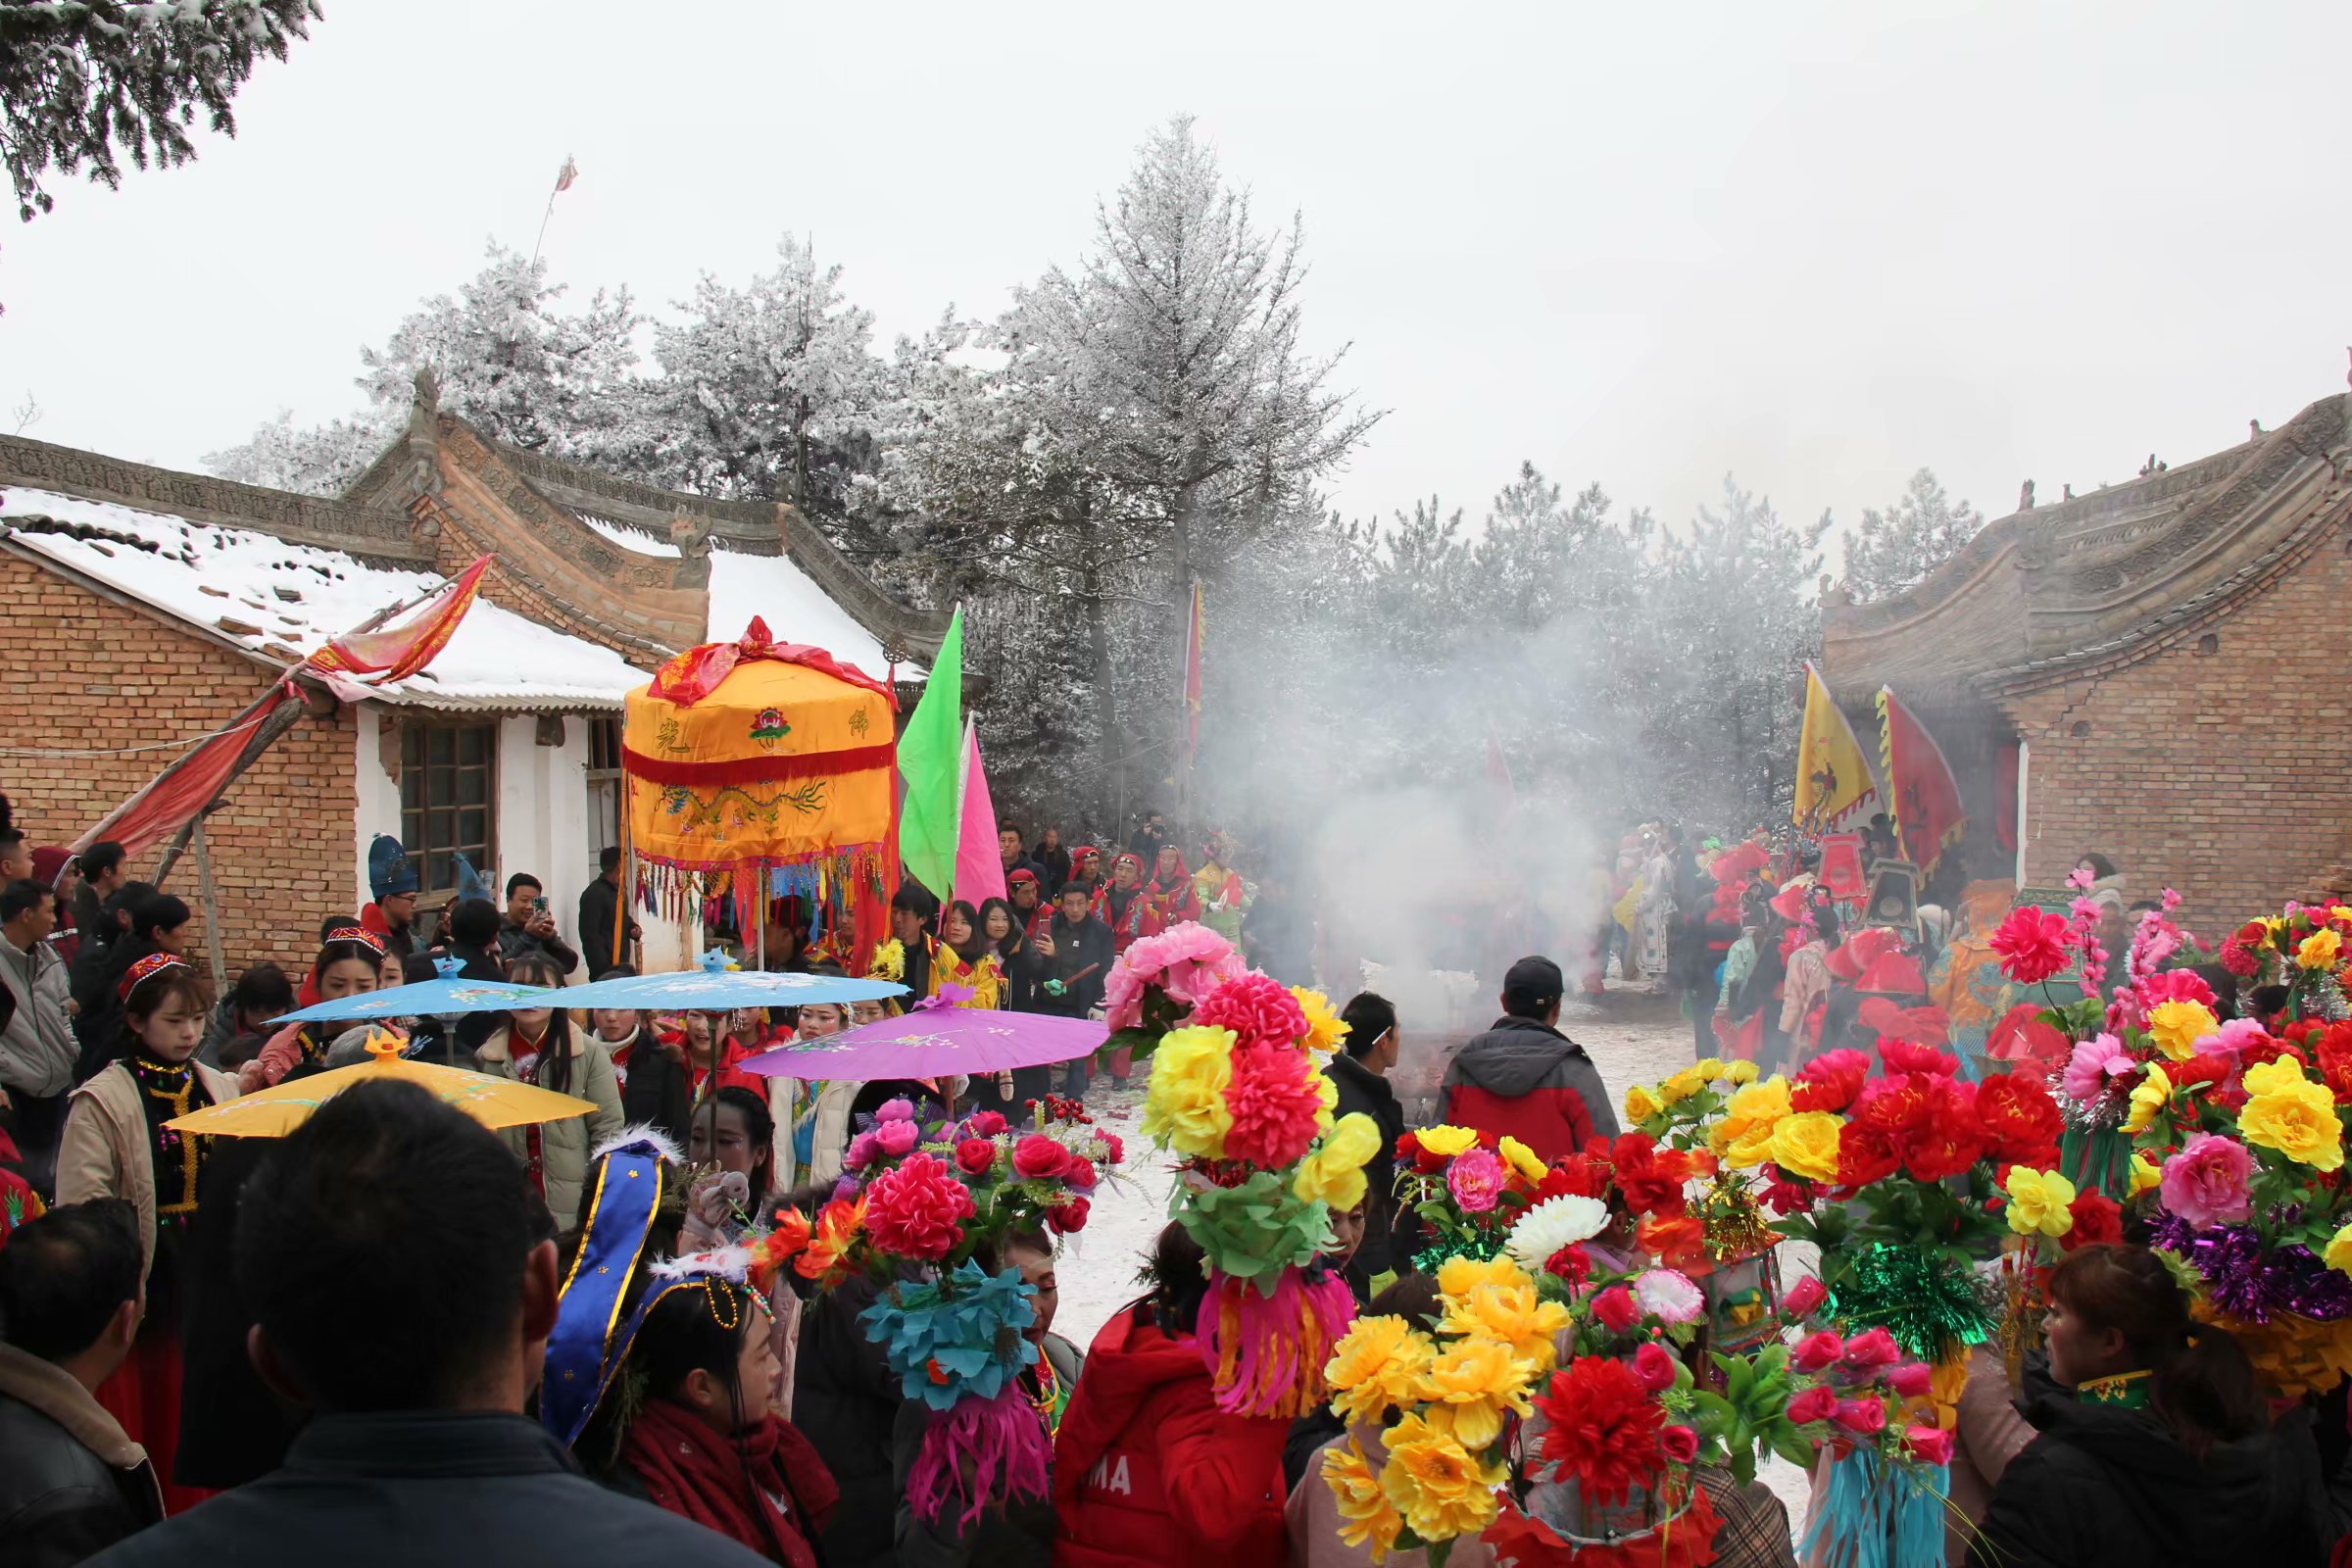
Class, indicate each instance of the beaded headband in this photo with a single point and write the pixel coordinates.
(153, 964)
(354, 933)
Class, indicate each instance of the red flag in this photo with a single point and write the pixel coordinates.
(1928, 815)
(1194, 626)
(176, 794)
(566, 174)
(399, 652)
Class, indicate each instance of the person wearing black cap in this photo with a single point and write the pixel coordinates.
(1525, 1078)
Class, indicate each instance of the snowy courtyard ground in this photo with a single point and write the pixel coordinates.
(1634, 1035)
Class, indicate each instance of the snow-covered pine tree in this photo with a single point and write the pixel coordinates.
(1891, 550)
(320, 461)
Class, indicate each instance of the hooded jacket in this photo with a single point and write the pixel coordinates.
(1527, 1080)
(1147, 1469)
(2105, 1486)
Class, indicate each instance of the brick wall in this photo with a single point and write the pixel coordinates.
(2216, 765)
(82, 671)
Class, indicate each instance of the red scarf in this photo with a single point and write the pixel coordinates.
(693, 1472)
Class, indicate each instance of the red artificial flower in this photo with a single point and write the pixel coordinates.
(1258, 1009)
(1779, 1195)
(1953, 1138)
(1604, 1428)
(1901, 1056)
(1039, 1158)
(1866, 1155)
(1929, 1445)
(2332, 1053)
(2252, 934)
(984, 1124)
(1815, 1404)
(1672, 1239)
(1650, 1178)
(1871, 1350)
(1803, 1299)
(2021, 1120)
(1894, 1106)
(1067, 1217)
(1654, 1366)
(1616, 1310)
(1115, 1150)
(2032, 945)
(1864, 1416)
(1678, 1443)
(2238, 961)
(2270, 1048)
(1274, 1102)
(1583, 1174)
(917, 1209)
(2206, 1067)
(1830, 1081)
(2098, 1219)
(974, 1155)
(1571, 1264)
(1910, 1380)
(1816, 1350)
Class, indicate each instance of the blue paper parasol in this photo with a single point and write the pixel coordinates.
(716, 988)
(427, 999)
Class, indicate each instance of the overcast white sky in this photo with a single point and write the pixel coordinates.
(1815, 245)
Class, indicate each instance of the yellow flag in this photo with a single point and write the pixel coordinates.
(1832, 780)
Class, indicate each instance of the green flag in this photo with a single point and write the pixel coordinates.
(930, 763)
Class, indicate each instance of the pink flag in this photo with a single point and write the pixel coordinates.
(979, 863)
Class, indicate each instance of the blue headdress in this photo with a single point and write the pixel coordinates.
(586, 1347)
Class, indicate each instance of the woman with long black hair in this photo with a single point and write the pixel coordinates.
(966, 958)
(349, 963)
(157, 923)
(537, 1046)
(690, 1426)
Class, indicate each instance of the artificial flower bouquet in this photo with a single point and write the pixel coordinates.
(1155, 983)
(1238, 1092)
(1469, 1189)
(920, 1206)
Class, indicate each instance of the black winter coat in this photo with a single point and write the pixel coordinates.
(1363, 1090)
(1016, 1535)
(2103, 1487)
(599, 908)
(231, 1428)
(60, 1501)
(657, 1091)
(846, 1400)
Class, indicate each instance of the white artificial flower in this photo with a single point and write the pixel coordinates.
(1669, 1296)
(1552, 1224)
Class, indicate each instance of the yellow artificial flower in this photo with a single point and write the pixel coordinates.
(1521, 1158)
(2320, 950)
(1334, 1172)
(1458, 1276)
(1446, 1142)
(2148, 1097)
(1516, 1314)
(1743, 1135)
(1367, 1516)
(2338, 1256)
(1682, 1086)
(1326, 1030)
(1739, 1072)
(2039, 1201)
(1806, 1145)
(1708, 1069)
(1185, 1107)
(1440, 1487)
(2177, 1026)
(1326, 1090)
(2287, 1111)
(1471, 1383)
(2144, 1175)
(1641, 1103)
(1378, 1362)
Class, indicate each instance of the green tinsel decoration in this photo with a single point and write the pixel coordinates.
(2097, 1159)
(1933, 1305)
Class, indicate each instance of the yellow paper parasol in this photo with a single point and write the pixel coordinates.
(276, 1112)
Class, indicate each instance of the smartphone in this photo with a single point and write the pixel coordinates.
(539, 906)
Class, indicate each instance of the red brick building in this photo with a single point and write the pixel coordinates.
(149, 607)
(2152, 671)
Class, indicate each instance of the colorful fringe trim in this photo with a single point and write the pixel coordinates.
(1267, 1353)
(1872, 1516)
(979, 1451)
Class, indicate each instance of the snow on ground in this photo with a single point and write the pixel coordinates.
(1633, 1035)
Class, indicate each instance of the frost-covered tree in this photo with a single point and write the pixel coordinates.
(1891, 550)
(770, 390)
(322, 460)
(510, 362)
(89, 83)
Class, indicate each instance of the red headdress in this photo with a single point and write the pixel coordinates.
(147, 968)
(360, 934)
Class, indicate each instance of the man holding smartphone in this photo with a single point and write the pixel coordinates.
(528, 929)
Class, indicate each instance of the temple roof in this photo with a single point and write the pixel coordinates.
(2104, 578)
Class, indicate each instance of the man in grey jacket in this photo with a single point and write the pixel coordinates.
(38, 1048)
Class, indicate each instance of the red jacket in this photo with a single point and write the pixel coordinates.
(1148, 1470)
(1529, 1081)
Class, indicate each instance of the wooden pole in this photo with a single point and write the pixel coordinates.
(212, 909)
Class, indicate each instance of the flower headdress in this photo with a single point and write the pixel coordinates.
(148, 968)
(355, 933)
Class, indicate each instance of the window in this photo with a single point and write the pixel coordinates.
(448, 778)
(604, 785)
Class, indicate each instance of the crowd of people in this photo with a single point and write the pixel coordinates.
(334, 1343)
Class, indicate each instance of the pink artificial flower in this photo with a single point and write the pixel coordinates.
(896, 1137)
(2207, 1183)
(896, 1110)
(1911, 1379)
(2235, 1036)
(1817, 1351)
(1871, 1350)
(2094, 1064)
(984, 1124)
(1803, 1299)
(1186, 962)
(1816, 1403)
(1669, 1296)
(1475, 1178)
(864, 1150)
(1929, 1445)
(1864, 1416)
(1654, 1367)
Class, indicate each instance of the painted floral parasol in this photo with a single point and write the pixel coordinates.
(276, 1112)
(934, 1039)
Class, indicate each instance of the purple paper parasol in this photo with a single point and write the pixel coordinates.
(932, 1040)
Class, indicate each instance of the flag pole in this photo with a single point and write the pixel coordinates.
(564, 178)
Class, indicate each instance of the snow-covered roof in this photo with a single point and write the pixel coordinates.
(796, 608)
(628, 538)
(280, 600)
